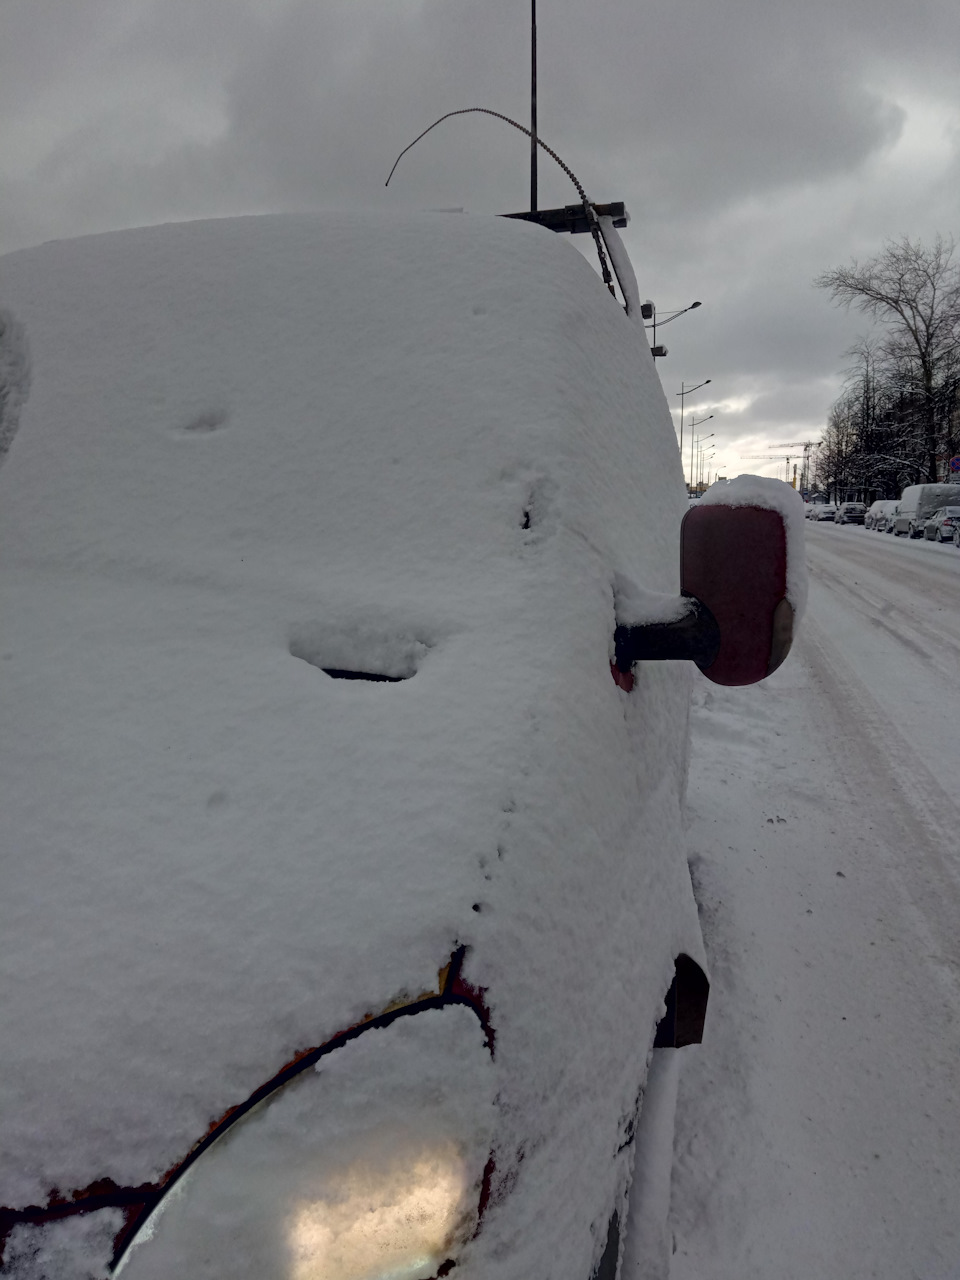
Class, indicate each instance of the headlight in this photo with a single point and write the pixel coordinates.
(403, 1221)
(367, 1167)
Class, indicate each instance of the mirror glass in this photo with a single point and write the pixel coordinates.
(734, 561)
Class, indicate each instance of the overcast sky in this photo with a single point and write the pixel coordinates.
(755, 142)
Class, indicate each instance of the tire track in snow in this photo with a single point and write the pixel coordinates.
(905, 800)
(894, 622)
(924, 570)
(914, 597)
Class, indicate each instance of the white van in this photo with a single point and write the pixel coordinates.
(920, 501)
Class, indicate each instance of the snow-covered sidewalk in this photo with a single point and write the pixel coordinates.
(818, 1127)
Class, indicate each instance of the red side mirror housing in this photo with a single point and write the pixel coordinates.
(736, 612)
(733, 560)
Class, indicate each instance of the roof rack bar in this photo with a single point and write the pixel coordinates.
(572, 217)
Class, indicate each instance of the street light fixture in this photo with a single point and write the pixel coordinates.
(649, 312)
(685, 391)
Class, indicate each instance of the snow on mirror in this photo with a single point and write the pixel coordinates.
(365, 1167)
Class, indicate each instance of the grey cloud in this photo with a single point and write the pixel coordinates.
(709, 101)
(784, 106)
(43, 41)
(736, 130)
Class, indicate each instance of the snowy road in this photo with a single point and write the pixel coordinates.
(819, 1133)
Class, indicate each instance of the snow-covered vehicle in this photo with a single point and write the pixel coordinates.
(940, 526)
(825, 511)
(918, 502)
(879, 514)
(345, 891)
(850, 513)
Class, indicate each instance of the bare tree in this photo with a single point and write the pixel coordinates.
(913, 292)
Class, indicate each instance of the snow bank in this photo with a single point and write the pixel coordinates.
(775, 495)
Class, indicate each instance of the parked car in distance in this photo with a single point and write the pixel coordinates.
(918, 502)
(850, 513)
(825, 511)
(878, 514)
(940, 526)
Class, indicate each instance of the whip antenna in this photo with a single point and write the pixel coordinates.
(588, 209)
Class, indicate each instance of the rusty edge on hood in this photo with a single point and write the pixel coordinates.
(137, 1203)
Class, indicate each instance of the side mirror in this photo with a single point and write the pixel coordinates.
(733, 560)
(737, 609)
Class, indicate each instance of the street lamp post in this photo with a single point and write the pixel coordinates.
(685, 391)
(533, 106)
(699, 440)
(693, 424)
(648, 310)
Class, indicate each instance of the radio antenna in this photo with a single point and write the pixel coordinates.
(533, 106)
(589, 211)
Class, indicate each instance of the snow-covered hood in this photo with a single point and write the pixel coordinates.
(255, 450)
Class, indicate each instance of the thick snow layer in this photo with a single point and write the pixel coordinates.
(77, 1248)
(764, 491)
(257, 450)
(623, 269)
(637, 607)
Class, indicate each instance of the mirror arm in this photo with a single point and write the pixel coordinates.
(694, 636)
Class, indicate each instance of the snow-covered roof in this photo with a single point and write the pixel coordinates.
(254, 449)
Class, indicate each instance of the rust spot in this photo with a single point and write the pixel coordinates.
(623, 679)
